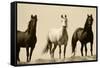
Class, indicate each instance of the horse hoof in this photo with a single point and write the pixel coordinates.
(27, 60)
(18, 61)
(64, 57)
(73, 55)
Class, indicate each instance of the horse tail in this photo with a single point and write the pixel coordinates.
(47, 47)
(74, 41)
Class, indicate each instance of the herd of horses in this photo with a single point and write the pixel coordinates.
(56, 37)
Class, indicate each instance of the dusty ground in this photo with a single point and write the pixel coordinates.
(75, 58)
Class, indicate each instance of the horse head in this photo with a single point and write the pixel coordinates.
(33, 20)
(64, 20)
(89, 22)
(32, 23)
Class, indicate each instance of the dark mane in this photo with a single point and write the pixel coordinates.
(32, 28)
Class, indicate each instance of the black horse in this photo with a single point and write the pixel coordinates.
(84, 35)
(27, 39)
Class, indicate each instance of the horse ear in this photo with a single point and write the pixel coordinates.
(35, 15)
(32, 16)
(62, 16)
(91, 15)
(88, 15)
(65, 15)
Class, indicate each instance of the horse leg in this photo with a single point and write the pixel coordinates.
(82, 49)
(55, 45)
(18, 50)
(65, 50)
(91, 48)
(50, 45)
(59, 51)
(27, 53)
(85, 50)
(74, 42)
(32, 48)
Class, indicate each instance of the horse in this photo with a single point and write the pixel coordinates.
(27, 39)
(57, 37)
(84, 35)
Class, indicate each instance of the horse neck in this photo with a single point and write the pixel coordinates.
(64, 30)
(33, 31)
(87, 29)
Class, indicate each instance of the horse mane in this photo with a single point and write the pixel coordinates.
(30, 26)
(28, 29)
(34, 28)
(86, 25)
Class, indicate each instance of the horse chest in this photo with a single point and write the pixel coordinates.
(63, 39)
(86, 37)
(54, 35)
(58, 36)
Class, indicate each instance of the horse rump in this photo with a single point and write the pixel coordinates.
(47, 46)
(76, 36)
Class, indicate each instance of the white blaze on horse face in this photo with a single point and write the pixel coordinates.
(64, 22)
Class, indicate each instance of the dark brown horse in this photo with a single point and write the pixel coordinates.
(84, 35)
(27, 39)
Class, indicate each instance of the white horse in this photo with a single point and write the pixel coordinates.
(57, 37)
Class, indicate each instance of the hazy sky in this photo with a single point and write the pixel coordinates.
(49, 17)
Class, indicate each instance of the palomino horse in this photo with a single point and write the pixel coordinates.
(27, 39)
(84, 35)
(57, 37)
